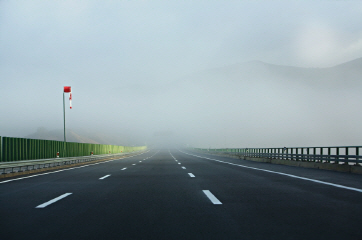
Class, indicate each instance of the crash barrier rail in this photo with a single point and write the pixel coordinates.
(23, 166)
(338, 155)
(17, 149)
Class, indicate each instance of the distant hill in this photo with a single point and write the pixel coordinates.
(257, 103)
(343, 75)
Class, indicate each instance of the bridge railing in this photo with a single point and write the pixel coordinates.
(336, 154)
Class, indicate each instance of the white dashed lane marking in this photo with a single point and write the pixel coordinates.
(104, 177)
(53, 200)
(211, 196)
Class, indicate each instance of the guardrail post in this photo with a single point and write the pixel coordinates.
(321, 155)
(314, 154)
(308, 158)
(357, 156)
(337, 156)
(346, 158)
(299, 155)
(275, 152)
(289, 155)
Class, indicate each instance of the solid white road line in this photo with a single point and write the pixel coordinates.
(53, 200)
(124, 168)
(284, 174)
(104, 177)
(65, 169)
(211, 196)
(134, 164)
(183, 167)
(191, 175)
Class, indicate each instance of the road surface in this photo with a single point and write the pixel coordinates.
(178, 194)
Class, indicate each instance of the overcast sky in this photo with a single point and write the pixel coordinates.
(118, 55)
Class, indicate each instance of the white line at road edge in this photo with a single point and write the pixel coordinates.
(124, 168)
(211, 196)
(191, 175)
(284, 174)
(104, 177)
(53, 200)
(67, 169)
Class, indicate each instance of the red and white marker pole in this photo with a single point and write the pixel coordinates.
(67, 89)
(70, 100)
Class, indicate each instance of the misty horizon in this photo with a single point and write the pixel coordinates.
(218, 75)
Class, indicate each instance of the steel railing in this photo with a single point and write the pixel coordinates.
(338, 154)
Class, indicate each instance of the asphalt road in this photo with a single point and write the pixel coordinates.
(172, 194)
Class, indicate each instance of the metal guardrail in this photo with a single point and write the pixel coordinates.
(21, 166)
(337, 155)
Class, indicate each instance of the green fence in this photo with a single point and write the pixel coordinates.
(17, 149)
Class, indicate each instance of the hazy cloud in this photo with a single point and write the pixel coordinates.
(140, 67)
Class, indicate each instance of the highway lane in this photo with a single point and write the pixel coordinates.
(351, 180)
(163, 197)
(283, 206)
